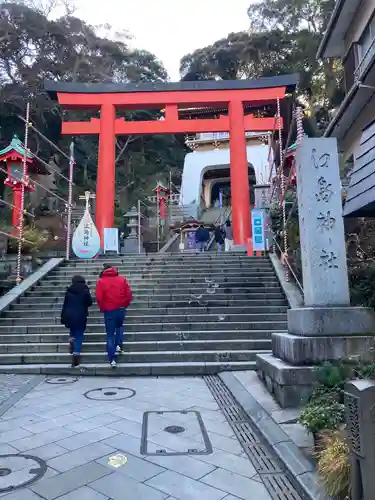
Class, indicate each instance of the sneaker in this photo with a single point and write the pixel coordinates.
(119, 350)
(113, 364)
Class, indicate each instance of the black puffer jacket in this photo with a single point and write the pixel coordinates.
(75, 308)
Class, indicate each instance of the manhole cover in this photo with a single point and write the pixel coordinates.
(157, 422)
(20, 471)
(61, 380)
(174, 429)
(109, 393)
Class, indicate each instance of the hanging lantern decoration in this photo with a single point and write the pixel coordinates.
(216, 145)
(13, 156)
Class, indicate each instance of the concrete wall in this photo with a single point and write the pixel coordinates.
(197, 163)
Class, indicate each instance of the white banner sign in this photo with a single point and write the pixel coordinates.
(86, 239)
(111, 239)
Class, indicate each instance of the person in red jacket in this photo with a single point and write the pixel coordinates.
(113, 295)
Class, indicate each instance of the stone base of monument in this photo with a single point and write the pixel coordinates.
(317, 335)
(130, 245)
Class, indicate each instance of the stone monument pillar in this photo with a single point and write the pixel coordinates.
(326, 328)
(131, 243)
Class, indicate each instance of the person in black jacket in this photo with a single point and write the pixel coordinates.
(202, 236)
(219, 238)
(74, 315)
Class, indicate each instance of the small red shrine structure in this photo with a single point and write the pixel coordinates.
(233, 96)
(13, 156)
(162, 194)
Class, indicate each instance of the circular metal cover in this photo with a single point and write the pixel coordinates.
(20, 471)
(110, 393)
(174, 429)
(61, 380)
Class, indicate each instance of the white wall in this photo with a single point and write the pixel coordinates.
(197, 163)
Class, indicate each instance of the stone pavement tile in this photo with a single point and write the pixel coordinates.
(237, 485)
(135, 467)
(88, 412)
(221, 428)
(184, 488)
(37, 440)
(299, 435)
(216, 416)
(287, 415)
(53, 423)
(84, 493)
(69, 481)
(126, 443)
(13, 436)
(47, 451)
(188, 466)
(65, 410)
(14, 413)
(93, 423)
(232, 463)
(222, 443)
(118, 487)
(79, 457)
(24, 494)
(6, 449)
(129, 427)
(85, 438)
(6, 425)
(130, 414)
(172, 441)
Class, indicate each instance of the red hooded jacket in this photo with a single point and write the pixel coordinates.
(112, 291)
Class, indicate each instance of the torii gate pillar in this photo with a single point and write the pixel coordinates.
(106, 181)
(239, 175)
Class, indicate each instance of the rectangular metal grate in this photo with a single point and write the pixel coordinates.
(279, 487)
(264, 461)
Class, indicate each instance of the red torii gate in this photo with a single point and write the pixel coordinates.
(172, 96)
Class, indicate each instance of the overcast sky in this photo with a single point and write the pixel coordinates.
(169, 28)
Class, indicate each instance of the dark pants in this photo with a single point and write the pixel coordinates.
(77, 336)
(114, 325)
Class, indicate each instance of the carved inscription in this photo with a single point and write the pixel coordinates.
(325, 221)
(324, 190)
(328, 259)
(322, 161)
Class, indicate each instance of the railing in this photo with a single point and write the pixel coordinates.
(223, 216)
(365, 61)
(284, 260)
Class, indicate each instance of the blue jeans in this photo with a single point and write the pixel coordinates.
(114, 325)
(77, 336)
(219, 246)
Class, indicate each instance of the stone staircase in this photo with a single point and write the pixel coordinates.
(192, 314)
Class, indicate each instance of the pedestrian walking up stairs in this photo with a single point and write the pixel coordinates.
(192, 314)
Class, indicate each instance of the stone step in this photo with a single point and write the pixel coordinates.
(160, 269)
(144, 336)
(137, 311)
(155, 298)
(129, 347)
(131, 369)
(169, 277)
(170, 257)
(134, 357)
(192, 290)
(151, 327)
(146, 305)
(175, 280)
(222, 318)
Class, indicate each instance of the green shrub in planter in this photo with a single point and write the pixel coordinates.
(322, 416)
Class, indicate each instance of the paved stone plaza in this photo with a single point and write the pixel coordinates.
(87, 434)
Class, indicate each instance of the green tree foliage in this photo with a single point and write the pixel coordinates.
(34, 47)
(283, 38)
